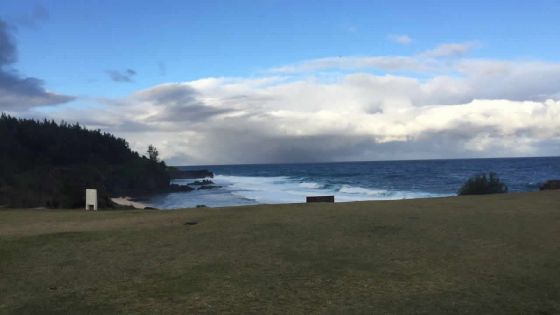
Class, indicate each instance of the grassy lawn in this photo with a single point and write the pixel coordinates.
(465, 255)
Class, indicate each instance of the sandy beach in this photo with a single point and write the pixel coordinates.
(129, 202)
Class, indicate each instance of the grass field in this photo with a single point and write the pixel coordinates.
(495, 254)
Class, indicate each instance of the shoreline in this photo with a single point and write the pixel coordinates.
(129, 202)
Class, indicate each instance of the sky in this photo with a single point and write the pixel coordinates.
(222, 82)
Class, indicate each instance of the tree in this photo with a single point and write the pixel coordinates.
(44, 163)
(153, 153)
(483, 184)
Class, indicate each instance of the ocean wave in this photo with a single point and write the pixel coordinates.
(310, 185)
(347, 189)
(251, 184)
(283, 189)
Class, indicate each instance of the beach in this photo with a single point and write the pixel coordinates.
(495, 254)
(128, 202)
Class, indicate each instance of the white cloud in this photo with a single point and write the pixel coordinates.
(459, 108)
(400, 39)
(385, 63)
(449, 50)
(429, 61)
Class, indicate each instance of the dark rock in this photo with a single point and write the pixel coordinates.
(209, 187)
(202, 182)
(552, 184)
(150, 208)
(175, 173)
(191, 223)
(179, 188)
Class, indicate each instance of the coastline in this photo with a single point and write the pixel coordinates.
(129, 202)
(354, 181)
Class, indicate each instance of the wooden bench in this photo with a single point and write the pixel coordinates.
(309, 199)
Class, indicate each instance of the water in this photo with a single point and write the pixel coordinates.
(353, 181)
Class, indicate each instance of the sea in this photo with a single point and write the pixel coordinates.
(354, 181)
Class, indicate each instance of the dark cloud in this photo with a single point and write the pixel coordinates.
(169, 95)
(8, 53)
(190, 113)
(16, 92)
(253, 146)
(179, 103)
(121, 76)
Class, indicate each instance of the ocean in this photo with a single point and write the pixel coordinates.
(354, 181)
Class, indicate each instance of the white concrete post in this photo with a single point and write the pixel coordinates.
(91, 199)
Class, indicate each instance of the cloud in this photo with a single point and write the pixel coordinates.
(518, 80)
(8, 53)
(176, 102)
(358, 117)
(19, 93)
(121, 76)
(430, 61)
(400, 39)
(448, 108)
(449, 50)
(385, 63)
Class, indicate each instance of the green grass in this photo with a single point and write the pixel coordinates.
(497, 254)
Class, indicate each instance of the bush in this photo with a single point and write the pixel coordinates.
(483, 184)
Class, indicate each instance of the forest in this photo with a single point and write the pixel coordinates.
(50, 164)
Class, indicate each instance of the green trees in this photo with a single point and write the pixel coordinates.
(153, 153)
(44, 163)
(483, 184)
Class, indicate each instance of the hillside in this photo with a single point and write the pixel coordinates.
(49, 164)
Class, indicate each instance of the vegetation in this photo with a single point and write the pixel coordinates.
(493, 254)
(153, 153)
(483, 184)
(43, 163)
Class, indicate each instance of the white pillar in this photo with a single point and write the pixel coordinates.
(91, 199)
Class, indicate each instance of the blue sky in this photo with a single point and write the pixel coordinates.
(292, 80)
(185, 40)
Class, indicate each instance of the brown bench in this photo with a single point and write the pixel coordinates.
(309, 199)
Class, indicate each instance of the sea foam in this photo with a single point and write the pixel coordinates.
(283, 189)
(354, 181)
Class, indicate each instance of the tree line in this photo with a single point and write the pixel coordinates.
(45, 163)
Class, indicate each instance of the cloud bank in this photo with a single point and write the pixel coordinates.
(458, 107)
(435, 104)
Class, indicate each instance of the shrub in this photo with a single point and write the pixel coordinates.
(483, 184)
